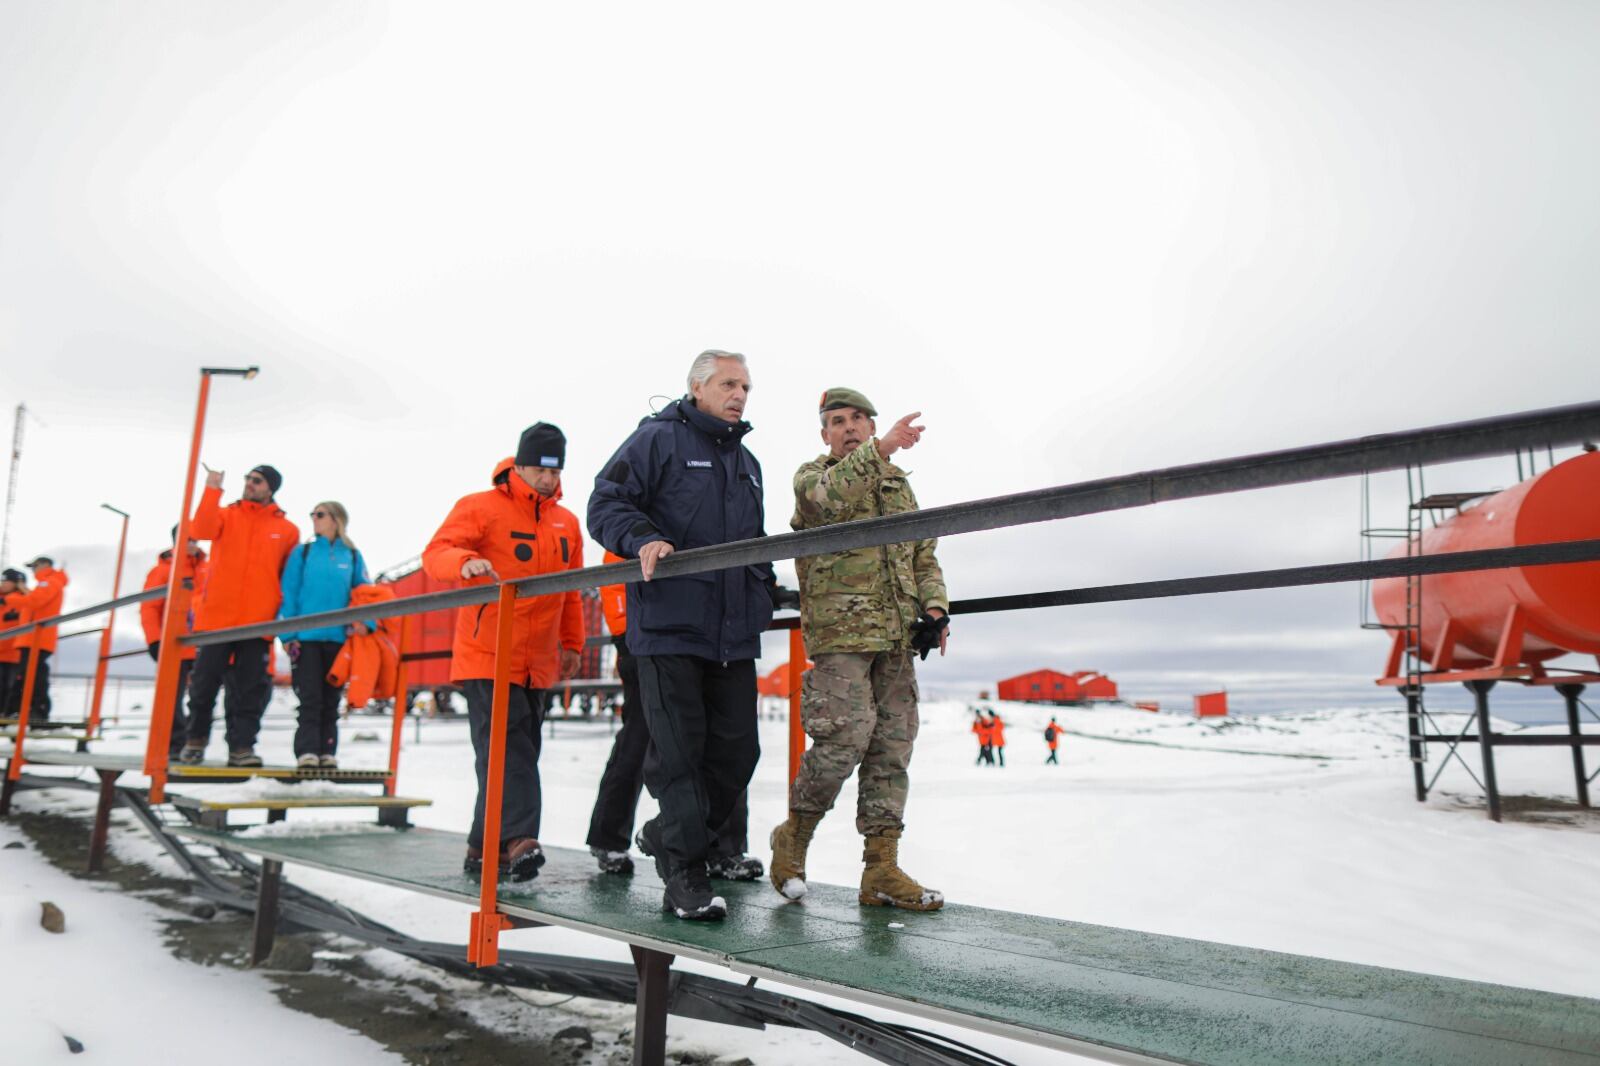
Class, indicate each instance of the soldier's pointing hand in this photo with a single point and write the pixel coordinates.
(903, 434)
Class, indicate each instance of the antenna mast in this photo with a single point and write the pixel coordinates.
(11, 486)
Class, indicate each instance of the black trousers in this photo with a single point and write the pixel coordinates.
(180, 721)
(520, 799)
(701, 716)
(242, 665)
(318, 732)
(41, 688)
(611, 823)
(7, 672)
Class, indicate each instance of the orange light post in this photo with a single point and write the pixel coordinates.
(483, 943)
(401, 696)
(171, 655)
(105, 634)
(797, 733)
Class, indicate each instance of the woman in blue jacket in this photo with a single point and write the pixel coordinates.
(318, 577)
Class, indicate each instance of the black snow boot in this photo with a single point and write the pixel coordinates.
(688, 895)
(648, 839)
(735, 867)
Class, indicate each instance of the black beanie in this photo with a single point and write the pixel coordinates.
(542, 445)
(274, 479)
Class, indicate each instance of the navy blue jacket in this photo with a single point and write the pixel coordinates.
(685, 477)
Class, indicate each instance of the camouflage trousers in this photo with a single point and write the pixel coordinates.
(859, 709)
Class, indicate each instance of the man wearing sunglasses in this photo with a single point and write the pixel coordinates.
(251, 539)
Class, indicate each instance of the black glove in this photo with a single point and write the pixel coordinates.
(783, 598)
(155, 650)
(12, 615)
(925, 632)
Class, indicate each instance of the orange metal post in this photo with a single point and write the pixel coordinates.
(483, 945)
(797, 734)
(400, 697)
(167, 662)
(28, 677)
(105, 634)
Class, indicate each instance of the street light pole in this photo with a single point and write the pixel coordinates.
(105, 634)
(179, 588)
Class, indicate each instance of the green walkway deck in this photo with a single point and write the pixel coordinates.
(1110, 993)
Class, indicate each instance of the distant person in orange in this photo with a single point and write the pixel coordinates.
(14, 612)
(1052, 737)
(43, 601)
(150, 616)
(514, 529)
(985, 735)
(997, 738)
(251, 539)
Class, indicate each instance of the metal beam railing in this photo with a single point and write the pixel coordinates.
(1454, 442)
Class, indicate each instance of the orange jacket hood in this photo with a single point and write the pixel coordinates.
(45, 601)
(521, 534)
(250, 542)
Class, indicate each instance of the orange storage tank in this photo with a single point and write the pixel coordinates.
(1465, 616)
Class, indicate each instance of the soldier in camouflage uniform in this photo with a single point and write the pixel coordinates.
(865, 614)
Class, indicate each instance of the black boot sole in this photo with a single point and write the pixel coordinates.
(525, 867)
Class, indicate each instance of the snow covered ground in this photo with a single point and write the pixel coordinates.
(1292, 832)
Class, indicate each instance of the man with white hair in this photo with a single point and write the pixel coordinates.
(684, 479)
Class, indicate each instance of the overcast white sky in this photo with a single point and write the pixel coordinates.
(1084, 238)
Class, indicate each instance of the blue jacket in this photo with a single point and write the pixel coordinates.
(318, 576)
(685, 477)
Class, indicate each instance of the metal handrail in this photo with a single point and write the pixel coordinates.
(1451, 442)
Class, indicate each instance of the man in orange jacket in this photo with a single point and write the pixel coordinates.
(617, 799)
(514, 530)
(150, 617)
(250, 542)
(43, 601)
(14, 612)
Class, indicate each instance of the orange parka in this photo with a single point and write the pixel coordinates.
(614, 601)
(369, 662)
(997, 732)
(44, 600)
(250, 542)
(14, 612)
(520, 534)
(150, 611)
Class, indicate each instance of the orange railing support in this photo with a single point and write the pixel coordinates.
(171, 655)
(105, 634)
(29, 676)
(400, 698)
(797, 733)
(483, 945)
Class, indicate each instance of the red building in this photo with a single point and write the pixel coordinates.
(1053, 686)
(1211, 705)
(1095, 685)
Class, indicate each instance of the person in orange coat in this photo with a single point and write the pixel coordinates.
(150, 617)
(981, 730)
(250, 542)
(43, 601)
(1052, 737)
(14, 612)
(997, 737)
(515, 529)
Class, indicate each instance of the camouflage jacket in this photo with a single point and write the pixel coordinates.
(865, 599)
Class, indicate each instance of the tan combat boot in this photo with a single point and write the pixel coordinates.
(884, 884)
(789, 843)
